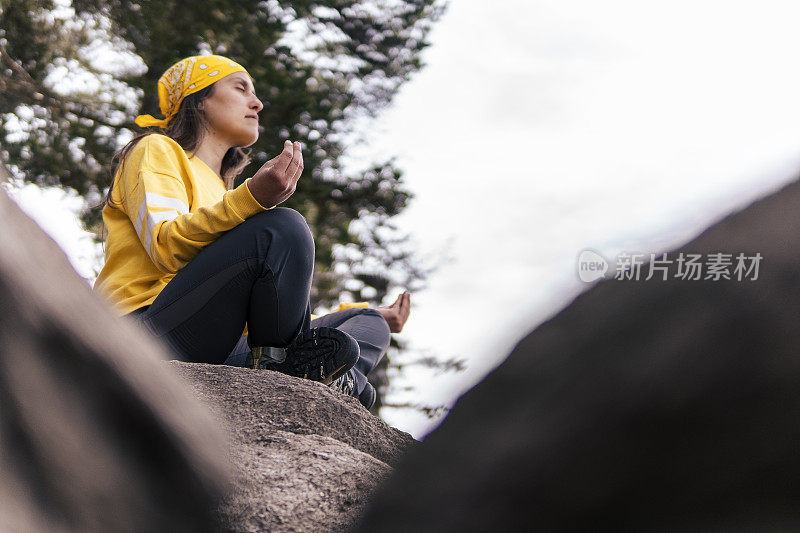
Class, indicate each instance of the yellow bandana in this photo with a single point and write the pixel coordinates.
(185, 77)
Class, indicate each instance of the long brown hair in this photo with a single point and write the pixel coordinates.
(186, 128)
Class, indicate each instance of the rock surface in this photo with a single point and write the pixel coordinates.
(306, 457)
(94, 435)
(644, 405)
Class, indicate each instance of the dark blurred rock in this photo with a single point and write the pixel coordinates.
(94, 435)
(644, 405)
(307, 458)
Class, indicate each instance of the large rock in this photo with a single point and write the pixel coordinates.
(94, 435)
(307, 458)
(644, 405)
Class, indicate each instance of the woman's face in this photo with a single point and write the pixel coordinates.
(232, 110)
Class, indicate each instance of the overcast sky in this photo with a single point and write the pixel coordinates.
(541, 128)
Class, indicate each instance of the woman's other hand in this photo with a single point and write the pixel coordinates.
(397, 313)
(276, 180)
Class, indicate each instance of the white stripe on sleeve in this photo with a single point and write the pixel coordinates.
(152, 220)
(152, 199)
(156, 200)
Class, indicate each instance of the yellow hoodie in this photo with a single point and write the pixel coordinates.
(169, 206)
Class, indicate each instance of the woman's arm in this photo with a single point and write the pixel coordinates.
(156, 200)
(171, 235)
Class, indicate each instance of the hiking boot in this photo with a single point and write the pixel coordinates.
(368, 396)
(346, 384)
(319, 354)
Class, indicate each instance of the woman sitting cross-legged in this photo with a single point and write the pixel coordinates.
(198, 262)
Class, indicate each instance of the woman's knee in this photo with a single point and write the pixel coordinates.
(284, 223)
(372, 321)
(287, 217)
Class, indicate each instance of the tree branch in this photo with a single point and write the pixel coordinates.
(29, 89)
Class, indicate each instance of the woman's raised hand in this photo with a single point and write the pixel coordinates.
(276, 180)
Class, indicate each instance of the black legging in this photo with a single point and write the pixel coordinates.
(258, 273)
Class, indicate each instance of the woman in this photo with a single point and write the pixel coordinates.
(194, 259)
